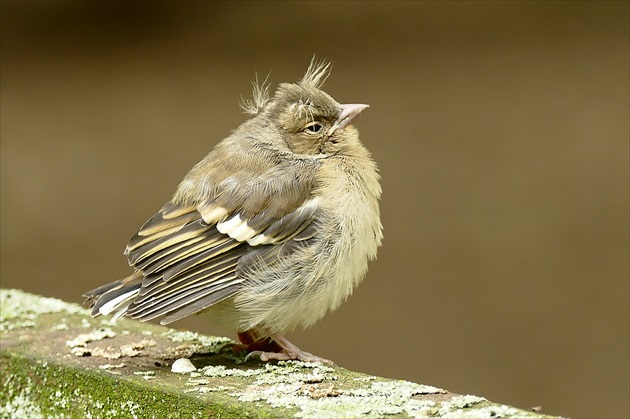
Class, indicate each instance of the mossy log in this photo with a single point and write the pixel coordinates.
(57, 361)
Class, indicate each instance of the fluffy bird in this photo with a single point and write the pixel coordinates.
(272, 229)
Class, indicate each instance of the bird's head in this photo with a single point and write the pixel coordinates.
(309, 120)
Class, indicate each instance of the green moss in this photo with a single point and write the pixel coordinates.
(38, 389)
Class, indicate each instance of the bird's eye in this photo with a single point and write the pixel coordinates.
(314, 127)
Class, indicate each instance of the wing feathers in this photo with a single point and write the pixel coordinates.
(168, 220)
(104, 294)
(215, 266)
(172, 254)
(211, 213)
(181, 268)
(161, 306)
(156, 243)
(188, 257)
(171, 210)
(289, 225)
(196, 306)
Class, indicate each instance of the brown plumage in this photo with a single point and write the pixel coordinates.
(273, 228)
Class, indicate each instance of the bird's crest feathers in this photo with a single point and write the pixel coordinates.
(317, 73)
(260, 96)
(315, 76)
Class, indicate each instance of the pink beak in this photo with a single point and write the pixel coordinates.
(348, 114)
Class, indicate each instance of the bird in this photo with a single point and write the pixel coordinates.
(270, 231)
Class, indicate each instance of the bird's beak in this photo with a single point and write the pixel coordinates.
(348, 114)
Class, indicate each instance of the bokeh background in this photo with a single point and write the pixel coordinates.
(501, 130)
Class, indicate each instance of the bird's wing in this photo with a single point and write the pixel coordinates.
(189, 256)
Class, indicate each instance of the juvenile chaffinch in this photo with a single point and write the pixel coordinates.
(272, 229)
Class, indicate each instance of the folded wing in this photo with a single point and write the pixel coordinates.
(187, 257)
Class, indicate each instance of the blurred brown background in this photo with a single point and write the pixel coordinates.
(501, 130)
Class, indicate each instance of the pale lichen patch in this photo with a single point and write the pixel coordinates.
(469, 406)
(192, 343)
(198, 382)
(83, 339)
(398, 388)
(187, 336)
(80, 349)
(21, 405)
(110, 352)
(314, 390)
(325, 400)
(130, 350)
(422, 408)
(222, 371)
(380, 399)
(147, 375)
(112, 366)
(108, 321)
(294, 372)
(62, 325)
(20, 310)
(207, 389)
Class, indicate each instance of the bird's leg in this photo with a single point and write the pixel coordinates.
(287, 352)
(250, 341)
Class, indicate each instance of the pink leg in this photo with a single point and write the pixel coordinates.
(250, 341)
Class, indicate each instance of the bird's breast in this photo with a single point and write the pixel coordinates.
(298, 290)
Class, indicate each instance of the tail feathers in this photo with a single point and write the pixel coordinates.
(118, 305)
(114, 297)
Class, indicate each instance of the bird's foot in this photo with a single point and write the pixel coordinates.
(285, 351)
(252, 343)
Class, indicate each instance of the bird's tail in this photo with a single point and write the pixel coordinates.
(115, 297)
